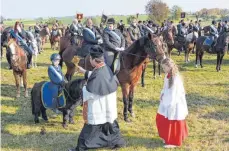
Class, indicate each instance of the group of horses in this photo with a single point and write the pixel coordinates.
(133, 59)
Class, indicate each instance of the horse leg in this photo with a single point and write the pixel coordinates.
(154, 68)
(35, 61)
(17, 79)
(221, 60)
(65, 118)
(159, 69)
(24, 76)
(131, 99)
(197, 56)
(201, 57)
(218, 62)
(43, 113)
(71, 114)
(125, 92)
(36, 118)
(143, 75)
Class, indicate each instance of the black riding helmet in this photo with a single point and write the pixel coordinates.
(111, 21)
(213, 22)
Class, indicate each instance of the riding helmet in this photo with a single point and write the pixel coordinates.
(111, 21)
(55, 56)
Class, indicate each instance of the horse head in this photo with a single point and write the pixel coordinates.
(15, 51)
(155, 47)
(5, 36)
(168, 35)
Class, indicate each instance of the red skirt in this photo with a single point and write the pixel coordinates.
(172, 131)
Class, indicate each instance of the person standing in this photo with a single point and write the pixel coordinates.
(101, 128)
(170, 119)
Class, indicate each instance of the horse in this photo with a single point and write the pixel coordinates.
(132, 60)
(190, 44)
(169, 38)
(67, 52)
(73, 94)
(55, 39)
(220, 48)
(18, 63)
(43, 34)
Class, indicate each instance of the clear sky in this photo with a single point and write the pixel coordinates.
(59, 8)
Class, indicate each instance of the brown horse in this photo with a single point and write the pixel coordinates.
(67, 52)
(132, 60)
(55, 40)
(19, 62)
(43, 34)
(168, 37)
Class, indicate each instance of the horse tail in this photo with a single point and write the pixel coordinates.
(36, 98)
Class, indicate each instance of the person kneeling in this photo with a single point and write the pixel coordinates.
(99, 106)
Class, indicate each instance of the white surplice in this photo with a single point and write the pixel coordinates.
(173, 103)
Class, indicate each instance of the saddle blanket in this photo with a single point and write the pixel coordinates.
(208, 41)
(49, 96)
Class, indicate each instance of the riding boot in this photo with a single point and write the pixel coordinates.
(67, 76)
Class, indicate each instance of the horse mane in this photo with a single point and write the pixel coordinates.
(17, 47)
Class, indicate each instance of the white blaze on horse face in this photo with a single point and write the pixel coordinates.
(13, 50)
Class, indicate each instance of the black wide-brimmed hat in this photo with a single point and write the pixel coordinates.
(96, 52)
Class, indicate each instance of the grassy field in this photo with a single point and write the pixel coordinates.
(207, 98)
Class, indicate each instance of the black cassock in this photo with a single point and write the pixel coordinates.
(100, 136)
(101, 82)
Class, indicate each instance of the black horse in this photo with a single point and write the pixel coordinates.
(220, 48)
(73, 94)
(4, 40)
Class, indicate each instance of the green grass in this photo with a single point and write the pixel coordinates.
(207, 98)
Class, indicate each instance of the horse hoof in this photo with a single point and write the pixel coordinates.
(36, 121)
(64, 125)
(26, 94)
(143, 85)
(18, 96)
(71, 122)
(154, 77)
(201, 66)
(132, 115)
(196, 66)
(127, 120)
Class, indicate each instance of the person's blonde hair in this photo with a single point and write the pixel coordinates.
(173, 69)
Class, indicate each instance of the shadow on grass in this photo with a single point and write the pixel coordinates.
(10, 91)
(35, 141)
(217, 115)
(146, 103)
(196, 100)
(4, 65)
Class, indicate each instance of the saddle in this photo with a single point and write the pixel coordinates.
(50, 96)
(208, 41)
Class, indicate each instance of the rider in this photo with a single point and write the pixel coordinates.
(114, 43)
(37, 28)
(56, 78)
(54, 30)
(220, 25)
(19, 35)
(181, 37)
(91, 37)
(213, 34)
(190, 27)
(134, 30)
(74, 30)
